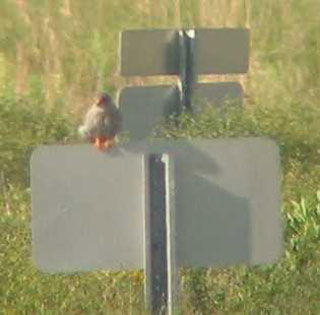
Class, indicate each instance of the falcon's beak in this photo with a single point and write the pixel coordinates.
(97, 102)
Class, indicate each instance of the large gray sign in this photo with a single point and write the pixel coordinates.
(88, 206)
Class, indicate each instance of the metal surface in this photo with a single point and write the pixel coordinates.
(87, 209)
(173, 274)
(156, 267)
(227, 200)
(149, 52)
(88, 206)
(156, 52)
(145, 107)
(217, 94)
(187, 75)
(161, 281)
(221, 51)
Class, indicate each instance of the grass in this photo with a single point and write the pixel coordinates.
(55, 54)
(272, 288)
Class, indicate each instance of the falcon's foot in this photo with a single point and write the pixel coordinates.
(109, 143)
(103, 144)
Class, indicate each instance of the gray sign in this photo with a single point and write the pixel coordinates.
(227, 202)
(157, 52)
(149, 52)
(88, 206)
(217, 94)
(87, 209)
(144, 107)
(221, 51)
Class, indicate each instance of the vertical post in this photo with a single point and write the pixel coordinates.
(160, 275)
(172, 267)
(187, 73)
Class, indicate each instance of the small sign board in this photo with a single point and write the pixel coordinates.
(221, 51)
(157, 52)
(149, 52)
(217, 94)
(144, 107)
(88, 206)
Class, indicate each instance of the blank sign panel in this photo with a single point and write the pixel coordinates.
(145, 107)
(88, 207)
(221, 51)
(157, 52)
(149, 52)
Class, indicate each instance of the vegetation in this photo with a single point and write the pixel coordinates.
(55, 54)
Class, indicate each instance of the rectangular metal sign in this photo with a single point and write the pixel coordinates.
(87, 209)
(149, 52)
(221, 51)
(157, 52)
(227, 202)
(144, 107)
(217, 94)
(88, 206)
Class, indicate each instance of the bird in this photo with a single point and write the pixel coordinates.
(102, 123)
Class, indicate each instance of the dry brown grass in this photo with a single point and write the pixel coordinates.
(67, 50)
(59, 46)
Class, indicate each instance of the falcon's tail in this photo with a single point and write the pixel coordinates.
(83, 131)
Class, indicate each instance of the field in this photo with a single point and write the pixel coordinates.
(55, 54)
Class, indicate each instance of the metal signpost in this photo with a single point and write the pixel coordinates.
(161, 205)
(184, 53)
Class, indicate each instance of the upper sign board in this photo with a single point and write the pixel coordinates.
(149, 52)
(221, 51)
(157, 52)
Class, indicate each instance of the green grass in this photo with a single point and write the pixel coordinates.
(48, 69)
(271, 289)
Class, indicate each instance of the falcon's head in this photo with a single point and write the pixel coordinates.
(104, 100)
